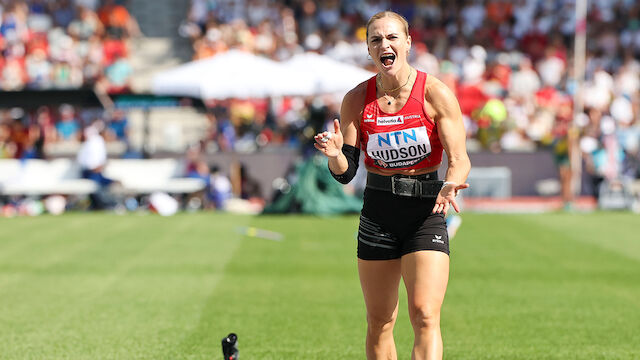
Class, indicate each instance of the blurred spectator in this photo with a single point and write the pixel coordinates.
(68, 128)
(19, 136)
(118, 127)
(423, 60)
(525, 82)
(219, 189)
(118, 76)
(63, 13)
(7, 146)
(92, 159)
(44, 121)
(113, 49)
(562, 148)
(200, 170)
(86, 25)
(38, 70)
(117, 20)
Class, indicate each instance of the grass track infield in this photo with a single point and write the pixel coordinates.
(102, 286)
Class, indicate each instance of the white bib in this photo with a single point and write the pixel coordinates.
(400, 148)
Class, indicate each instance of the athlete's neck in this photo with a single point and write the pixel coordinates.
(394, 81)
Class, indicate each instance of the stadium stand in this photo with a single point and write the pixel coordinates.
(510, 64)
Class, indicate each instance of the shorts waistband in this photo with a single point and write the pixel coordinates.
(418, 186)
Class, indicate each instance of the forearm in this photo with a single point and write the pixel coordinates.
(344, 166)
(458, 169)
(339, 164)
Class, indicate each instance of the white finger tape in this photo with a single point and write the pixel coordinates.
(326, 138)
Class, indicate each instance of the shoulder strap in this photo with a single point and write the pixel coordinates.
(418, 88)
(371, 90)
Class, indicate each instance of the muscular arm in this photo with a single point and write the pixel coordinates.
(349, 121)
(453, 137)
(342, 147)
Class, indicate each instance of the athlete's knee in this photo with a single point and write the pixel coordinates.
(381, 322)
(425, 317)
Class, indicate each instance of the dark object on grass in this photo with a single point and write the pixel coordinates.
(229, 348)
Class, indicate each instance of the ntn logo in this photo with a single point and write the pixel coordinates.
(402, 136)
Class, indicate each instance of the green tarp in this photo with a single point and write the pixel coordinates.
(314, 191)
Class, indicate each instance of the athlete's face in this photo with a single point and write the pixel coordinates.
(388, 45)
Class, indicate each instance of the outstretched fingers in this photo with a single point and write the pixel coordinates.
(455, 205)
(439, 206)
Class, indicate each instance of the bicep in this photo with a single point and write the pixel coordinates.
(450, 125)
(452, 135)
(350, 120)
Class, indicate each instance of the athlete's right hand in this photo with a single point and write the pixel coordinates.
(330, 143)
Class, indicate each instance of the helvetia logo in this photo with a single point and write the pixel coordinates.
(390, 120)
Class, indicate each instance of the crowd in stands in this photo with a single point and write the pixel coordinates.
(510, 64)
(65, 44)
(28, 134)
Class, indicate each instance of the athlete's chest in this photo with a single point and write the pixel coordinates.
(410, 116)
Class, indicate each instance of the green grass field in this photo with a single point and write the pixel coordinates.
(100, 286)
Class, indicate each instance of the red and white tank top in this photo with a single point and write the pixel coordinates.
(407, 139)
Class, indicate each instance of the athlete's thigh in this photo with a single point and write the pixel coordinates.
(380, 280)
(425, 275)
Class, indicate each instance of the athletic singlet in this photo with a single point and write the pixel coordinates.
(407, 139)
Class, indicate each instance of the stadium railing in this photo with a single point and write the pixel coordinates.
(62, 176)
(41, 177)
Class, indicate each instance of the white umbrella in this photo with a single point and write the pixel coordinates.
(330, 76)
(233, 74)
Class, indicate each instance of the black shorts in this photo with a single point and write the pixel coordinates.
(392, 226)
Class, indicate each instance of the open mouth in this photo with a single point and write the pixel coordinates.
(387, 59)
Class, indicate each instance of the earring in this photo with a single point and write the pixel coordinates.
(369, 57)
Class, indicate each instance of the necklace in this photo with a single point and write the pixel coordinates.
(387, 91)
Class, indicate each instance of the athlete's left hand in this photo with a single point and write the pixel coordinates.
(446, 196)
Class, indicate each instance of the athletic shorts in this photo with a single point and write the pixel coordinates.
(392, 226)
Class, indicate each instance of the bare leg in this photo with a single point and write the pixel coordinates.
(565, 184)
(425, 275)
(380, 280)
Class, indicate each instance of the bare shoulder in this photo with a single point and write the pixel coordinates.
(355, 97)
(441, 98)
(437, 92)
(353, 103)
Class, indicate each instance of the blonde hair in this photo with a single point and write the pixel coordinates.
(389, 14)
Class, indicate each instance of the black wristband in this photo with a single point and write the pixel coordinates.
(352, 154)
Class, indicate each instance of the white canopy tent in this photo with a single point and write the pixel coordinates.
(330, 76)
(233, 74)
(237, 74)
